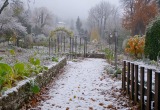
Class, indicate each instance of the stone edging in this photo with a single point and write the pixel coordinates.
(16, 96)
(92, 55)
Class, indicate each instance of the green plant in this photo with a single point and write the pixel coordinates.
(6, 76)
(1, 58)
(152, 62)
(12, 52)
(153, 39)
(109, 54)
(22, 70)
(34, 61)
(34, 87)
(3, 90)
(75, 60)
(118, 71)
(36, 65)
(54, 59)
(110, 69)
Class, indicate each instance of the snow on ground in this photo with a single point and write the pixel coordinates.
(84, 85)
(24, 55)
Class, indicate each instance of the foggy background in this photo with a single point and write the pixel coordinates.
(70, 9)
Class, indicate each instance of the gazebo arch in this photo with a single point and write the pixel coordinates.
(59, 29)
(62, 29)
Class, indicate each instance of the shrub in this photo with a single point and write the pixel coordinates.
(54, 59)
(109, 54)
(152, 44)
(135, 46)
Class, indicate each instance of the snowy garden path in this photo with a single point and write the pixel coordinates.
(84, 85)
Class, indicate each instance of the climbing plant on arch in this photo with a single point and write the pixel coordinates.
(59, 29)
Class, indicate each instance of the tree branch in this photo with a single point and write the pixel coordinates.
(4, 5)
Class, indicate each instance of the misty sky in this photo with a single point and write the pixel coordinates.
(70, 8)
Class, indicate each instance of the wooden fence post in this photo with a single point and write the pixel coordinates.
(80, 45)
(55, 45)
(132, 81)
(128, 78)
(136, 84)
(123, 78)
(157, 90)
(64, 44)
(84, 43)
(52, 45)
(58, 42)
(49, 46)
(124, 75)
(70, 50)
(61, 42)
(76, 46)
(142, 89)
(149, 88)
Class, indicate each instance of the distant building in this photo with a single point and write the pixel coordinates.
(61, 24)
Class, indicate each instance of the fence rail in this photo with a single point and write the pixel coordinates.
(138, 89)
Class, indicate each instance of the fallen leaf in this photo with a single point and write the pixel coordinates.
(101, 104)
(110, 106)
(90, 108)
(93, 99)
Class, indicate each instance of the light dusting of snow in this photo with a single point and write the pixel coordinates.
(23, 82)
(15, 89)
(84, 85)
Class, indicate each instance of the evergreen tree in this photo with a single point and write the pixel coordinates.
(79, 25)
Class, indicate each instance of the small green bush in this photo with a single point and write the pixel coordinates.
(54, 59)
(109, 54)
(152, 41)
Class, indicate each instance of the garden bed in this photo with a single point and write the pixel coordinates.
(14, 98)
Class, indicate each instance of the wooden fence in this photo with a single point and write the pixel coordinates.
(140, 90)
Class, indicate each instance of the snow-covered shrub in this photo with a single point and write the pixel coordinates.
(11, 28)
(40, 38)
(124, 44)
(153, 39)
(10, 25)
(109, 69)
(28, 41)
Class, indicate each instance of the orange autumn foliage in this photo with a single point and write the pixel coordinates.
(135, 46)
(138, 14)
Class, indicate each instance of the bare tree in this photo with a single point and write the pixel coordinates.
(9, 25)
(98, 16)
(42, 19)
(5, 4)
(137, 14)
